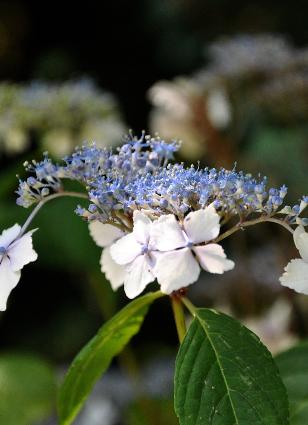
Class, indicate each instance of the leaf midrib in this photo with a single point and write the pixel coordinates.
(85, 364)
(203, 325)
(92, 354)
(302, 405)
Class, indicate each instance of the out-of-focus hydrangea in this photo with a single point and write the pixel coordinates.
(273, 327)
(247, 79)
(57, 116)
(245, 55)
(174, 114)
(286, 98)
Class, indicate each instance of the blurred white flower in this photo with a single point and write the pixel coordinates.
(59, 115)
(183, 129)
(296, 271)
(173, 98)
(218, 108)
(104, 132)
(134, 252)
(181, 255)
(15, 253)
(173, 115)
(16, 140)
(105, 235)
(273, 327)
(58, 142)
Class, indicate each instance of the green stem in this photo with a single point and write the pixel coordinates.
(179, 317)
(44, 201)
(189, 305)
(240, 226)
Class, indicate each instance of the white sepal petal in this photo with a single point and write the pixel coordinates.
(113, 271)
(21, 252)
(125, 250)
(166, 234)
(9, 235)
(301, 242)
(138, 276)
(142, 225)
(212, 258)
(296, 276)
(8, 281)
(202, 225)
(176, 269)
(104, 234)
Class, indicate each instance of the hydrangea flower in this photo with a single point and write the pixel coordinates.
(105, 235)
(296, 271)
(169, 214)
(15, 252)
(134, 252)
(184, 250)
(171, 252)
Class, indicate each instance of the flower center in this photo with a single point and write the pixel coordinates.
(144, 249)
(2, 250)
(189, 244)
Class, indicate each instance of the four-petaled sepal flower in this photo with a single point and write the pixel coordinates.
(296, 271)
(182, 248)
(15, 252)
(134, 252)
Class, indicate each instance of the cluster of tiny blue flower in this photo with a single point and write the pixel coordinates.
(140, 176)
(45, 179)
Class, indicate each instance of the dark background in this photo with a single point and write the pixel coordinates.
(128, 45)
(125, 46)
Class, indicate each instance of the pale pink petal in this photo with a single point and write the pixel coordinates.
(139, 275)
(9, 235)
(296, 276)
(212, 258)
(21, 252)
(202, 225)
(176, 269)
(8, 281)
(104, 234)
(301, 242)
(142, 225)
(126, 249)
(166, 234)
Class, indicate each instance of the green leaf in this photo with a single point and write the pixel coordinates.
(293, 366)
(154, 411)
(225, 376)
(96, 356)
(27, 389)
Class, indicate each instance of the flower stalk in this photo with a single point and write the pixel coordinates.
(44, 201)
(179, 316)
(189, 305)
(262, 219)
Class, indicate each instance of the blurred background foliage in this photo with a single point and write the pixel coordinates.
(228, 78)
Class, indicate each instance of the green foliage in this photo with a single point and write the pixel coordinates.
(293, 366)
(225, 376)
(151, 412)
(95, 357)
(284, 156)
(27, 389)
